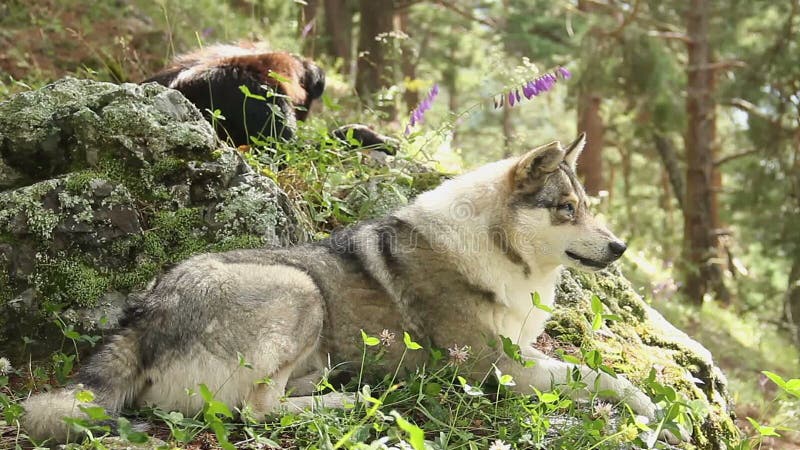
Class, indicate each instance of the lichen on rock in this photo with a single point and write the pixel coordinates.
(102, 186)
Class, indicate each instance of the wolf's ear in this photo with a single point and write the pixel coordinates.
(574, 151)
(544, 159)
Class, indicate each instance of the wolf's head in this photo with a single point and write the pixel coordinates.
(548, 219)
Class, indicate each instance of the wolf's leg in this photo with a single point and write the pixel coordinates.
(548, 371)
(329, 400)
(265, 397)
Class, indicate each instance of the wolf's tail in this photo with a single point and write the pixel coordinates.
(113, 375)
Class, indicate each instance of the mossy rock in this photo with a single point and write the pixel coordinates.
(639, 341)
(104, 185)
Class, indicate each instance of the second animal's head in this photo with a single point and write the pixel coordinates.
(256, 94)
(548, 211)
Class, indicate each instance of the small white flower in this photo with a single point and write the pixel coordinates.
(458, 354)
(499, 445)
(602, 410)
(386, 337)
(5, 366)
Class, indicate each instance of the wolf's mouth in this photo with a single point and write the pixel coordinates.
(587, 261)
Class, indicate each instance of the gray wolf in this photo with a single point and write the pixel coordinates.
(455, 267)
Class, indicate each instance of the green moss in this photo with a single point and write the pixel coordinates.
(166, 167)
(69, 281)
(78, 182)
(6, 291)
(238, 242)
(137, 277)
(569, 325)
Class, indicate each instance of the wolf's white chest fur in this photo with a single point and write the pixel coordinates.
(514, 315)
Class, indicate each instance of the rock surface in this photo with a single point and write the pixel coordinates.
(103, 185)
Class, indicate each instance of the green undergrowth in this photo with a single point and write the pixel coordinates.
(433, 407)
(744, 345)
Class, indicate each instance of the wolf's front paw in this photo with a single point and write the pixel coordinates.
(648, 413)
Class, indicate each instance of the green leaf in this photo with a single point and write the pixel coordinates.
(411, 345)
(514, 352)
(536, 300)
(72, 334)
(95, 412)
(416, 437)
(547, 397)
(597, 322)
(127, 432)
(777, 379)
(243, 362)
(597, 305)
(278, 77)
(763, 430)
(84, 396)
(246, 91)
(593, 359)
(469, 389)
(369, 341)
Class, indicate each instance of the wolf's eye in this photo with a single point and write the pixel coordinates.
(567, 208)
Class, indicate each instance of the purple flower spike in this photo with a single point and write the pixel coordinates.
(419, 112)
(532, 88)
(527, 91)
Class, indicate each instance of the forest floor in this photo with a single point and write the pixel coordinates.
(49, 39)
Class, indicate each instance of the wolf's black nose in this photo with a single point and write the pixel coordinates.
(617, 248)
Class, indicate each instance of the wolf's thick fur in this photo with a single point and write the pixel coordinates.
(456, 267)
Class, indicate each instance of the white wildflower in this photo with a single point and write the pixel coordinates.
(458, 354)
(602, 410)
(386, 337)
(499, 445)
(5, 366)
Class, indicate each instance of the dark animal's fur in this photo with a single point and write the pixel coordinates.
(211, 79)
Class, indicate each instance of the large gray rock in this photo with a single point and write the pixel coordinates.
(102, 186)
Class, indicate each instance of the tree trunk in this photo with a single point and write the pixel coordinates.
(307, 26)
(407, 62)
(338, 31)
(792, 300)
(590, 167)
(701, 272)
(669, 158)
(374, 69)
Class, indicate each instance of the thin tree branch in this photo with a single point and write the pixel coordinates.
(735, 156)
(670, 35)
(625, 21)
(465, 14)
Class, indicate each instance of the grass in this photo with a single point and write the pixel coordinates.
(432, 407)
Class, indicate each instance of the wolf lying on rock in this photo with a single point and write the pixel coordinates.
(458, 265)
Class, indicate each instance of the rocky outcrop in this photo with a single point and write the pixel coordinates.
(102, 186)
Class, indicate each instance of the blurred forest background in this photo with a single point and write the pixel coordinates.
(692, 109)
